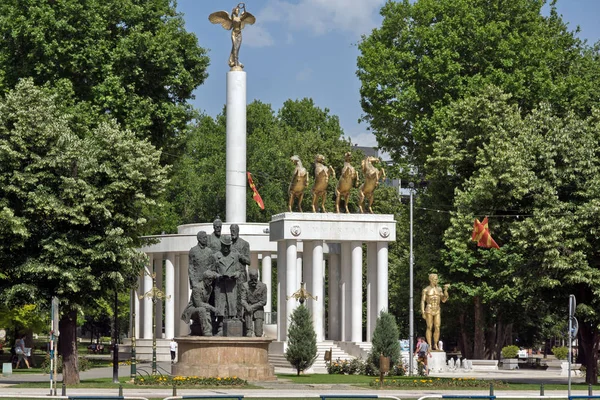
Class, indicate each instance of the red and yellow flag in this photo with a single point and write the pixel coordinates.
(255, 195)
(481, 234)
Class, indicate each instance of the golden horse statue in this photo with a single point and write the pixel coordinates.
(348, 179)
(372, 176)
(319, 189)
(298, 184)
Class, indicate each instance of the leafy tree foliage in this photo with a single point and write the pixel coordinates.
(71, 204)
(385, 339)
(129, 59)
(302, 340)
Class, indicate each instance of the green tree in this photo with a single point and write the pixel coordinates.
(128, 59)
(385, 339)
(72, 206)
(302, 340)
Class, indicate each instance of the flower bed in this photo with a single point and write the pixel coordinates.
(438, 383)
(165, 380)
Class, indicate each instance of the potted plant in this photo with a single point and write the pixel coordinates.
(509, 357)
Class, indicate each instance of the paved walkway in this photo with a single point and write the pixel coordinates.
(283, 388)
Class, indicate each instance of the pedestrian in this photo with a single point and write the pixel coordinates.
(22, 351)
(173, 347)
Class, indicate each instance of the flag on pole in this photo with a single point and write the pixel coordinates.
(481, 234)
(255, 195)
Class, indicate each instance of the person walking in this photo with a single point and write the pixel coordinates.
(21, 351)
(173, 347)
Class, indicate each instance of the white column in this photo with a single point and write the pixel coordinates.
(317, 287)
(266, 276)
(137, 292)
(356, 293)
(307, 271)
(158, 310)
(291, 284)
(184, 293)
(334, 296)
(281, 291)
(147, 332)
(382, 276)
(170, 299)
(299, 270)
(345, 295)
(235, 186)
(371, 289)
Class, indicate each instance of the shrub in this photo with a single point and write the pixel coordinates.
(84, 364)
(385, 340)
(510, 351)
(561, 352)
(166, 380)
(302, 340)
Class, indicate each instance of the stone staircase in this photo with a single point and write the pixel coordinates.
(319, 367)
(356, 350)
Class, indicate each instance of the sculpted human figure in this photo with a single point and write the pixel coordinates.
(348, 179)
(431, 300)
(200, 260)
(372, 176)
(319, 189)
(214, 240)
(236, 22)
(242, 247)
(227, 274)
(254, 299)
(298, 184)
(199, 308)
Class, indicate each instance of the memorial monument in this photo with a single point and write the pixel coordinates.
(431, 300)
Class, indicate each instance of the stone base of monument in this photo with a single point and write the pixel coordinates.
(437, 361)
(212, 356)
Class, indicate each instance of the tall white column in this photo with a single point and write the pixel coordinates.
(317, 287)
(184, 292)
(345, 293)
(235, 186)
(170, 299)
(382, 276)
(371, 289)
(266, 278)
(281, 291)
(177, 278)
(147, 332)
(291, 284)
(299, 269)
(307, 272)
(158, 310)
(356, 293)
(334, 296)
(137, 292)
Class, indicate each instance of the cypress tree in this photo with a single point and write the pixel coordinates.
(302, 340)
(385, 339)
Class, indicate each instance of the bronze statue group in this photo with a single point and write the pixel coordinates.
(226, 300)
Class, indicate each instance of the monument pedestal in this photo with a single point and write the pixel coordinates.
(210, 356)
(437, 361)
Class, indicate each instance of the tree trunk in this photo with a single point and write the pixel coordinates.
(478, 339)
(465, 350)
(589, 339)
(68, 347)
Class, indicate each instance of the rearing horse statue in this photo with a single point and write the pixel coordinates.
(348, 179)
(372, 176)
(298, 184)
(319, 189)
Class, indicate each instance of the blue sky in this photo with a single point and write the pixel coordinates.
(307, 48)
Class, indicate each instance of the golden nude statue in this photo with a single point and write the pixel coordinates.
(302, 294)
(372, 176)
(431, 300)
(236, 22)
(319, 189)
(348, 179)
(298, 184)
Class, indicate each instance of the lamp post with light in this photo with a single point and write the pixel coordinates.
(154, 294)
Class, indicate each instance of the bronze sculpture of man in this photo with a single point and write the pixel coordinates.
(214, 240)
(199, 308)
(226, 298)
(254, 299)
(431, 300)
(236, 22)
(200, 259)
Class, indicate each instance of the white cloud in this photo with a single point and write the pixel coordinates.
(321, 16)
(257, 36)
(363, 139)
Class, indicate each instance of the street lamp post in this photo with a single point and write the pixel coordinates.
(116, 340)
(411, 315)
(133, 371)
(154, 294)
